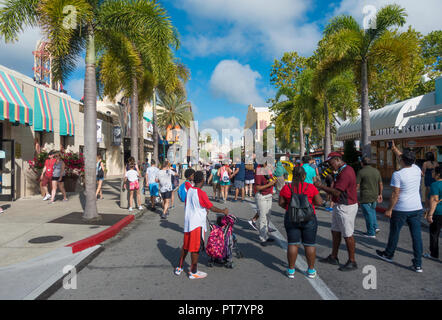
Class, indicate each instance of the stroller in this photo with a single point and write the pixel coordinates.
(222, 242)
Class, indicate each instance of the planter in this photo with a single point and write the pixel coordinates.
(70, 183)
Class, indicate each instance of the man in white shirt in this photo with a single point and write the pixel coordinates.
(151, 176)
(405, 207)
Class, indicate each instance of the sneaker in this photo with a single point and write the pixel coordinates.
(429, 256)
(383, 256)
(253, 224)
(290, 273)
(368, 236)
(378, 230)
(349, 266)
(163, 216)
(267, 242)
(329, 209)
(330, 260)
(272, 230)
(47, 197)
(416, 269)
(140, 208)
(197, 275)
(178, 271)
(130, 209)
(311, 273)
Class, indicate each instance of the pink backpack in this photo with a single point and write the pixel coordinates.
(215, 243)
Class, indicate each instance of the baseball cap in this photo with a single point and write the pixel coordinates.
(332, 155)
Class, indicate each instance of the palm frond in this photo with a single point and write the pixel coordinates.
(15, 16)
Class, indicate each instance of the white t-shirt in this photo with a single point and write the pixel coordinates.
(408, 180)
(132, 175)
(165, 179)
(197, 204)
(152, 173)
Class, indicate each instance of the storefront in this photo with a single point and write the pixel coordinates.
(414, 123)
(34, 118)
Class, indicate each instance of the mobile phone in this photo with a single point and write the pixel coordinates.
(390, 144)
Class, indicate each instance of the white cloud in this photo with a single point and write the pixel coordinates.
(269, 26)
(236, 83)
(424, 16)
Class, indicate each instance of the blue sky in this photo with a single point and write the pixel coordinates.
(230, 45)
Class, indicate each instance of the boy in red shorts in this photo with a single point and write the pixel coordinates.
(197, 206)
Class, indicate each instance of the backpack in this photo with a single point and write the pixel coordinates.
(100, 173)
(182, 192)
(300, 209)
(225, 176)
(215, 243)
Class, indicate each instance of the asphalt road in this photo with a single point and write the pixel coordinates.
(139, 264)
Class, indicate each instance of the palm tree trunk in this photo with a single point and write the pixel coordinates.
(134, 121)
(140, 139)
(90, 129)
(365, 115)
(301, 139)
(327, 136)
(155, 131)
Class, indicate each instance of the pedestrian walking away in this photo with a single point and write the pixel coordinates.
(195, 226)
(434, 216)
(369, 181)
(405, 207)
(280, 173)
(240, 175)
(345, 197)
(132, 175)
(150, 177)
(164, 178)
(300, 232)
(214, 179)
(225, 174)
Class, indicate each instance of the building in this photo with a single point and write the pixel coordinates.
(34, 117)
(414, 123)
(257, 120)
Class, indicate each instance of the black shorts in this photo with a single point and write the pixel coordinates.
(166, 195)
(301, 233)
(58, 178)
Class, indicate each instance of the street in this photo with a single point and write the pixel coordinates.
(139, 263)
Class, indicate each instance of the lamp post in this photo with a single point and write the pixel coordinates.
(307, 131)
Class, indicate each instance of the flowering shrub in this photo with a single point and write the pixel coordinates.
(74, 163)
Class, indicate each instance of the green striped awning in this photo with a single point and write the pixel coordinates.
(67, 126)
(13, 104)
(43, 120)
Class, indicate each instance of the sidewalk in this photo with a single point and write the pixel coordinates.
(36, 233)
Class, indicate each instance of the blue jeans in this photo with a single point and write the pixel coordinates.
(369, 211)
(413, 219)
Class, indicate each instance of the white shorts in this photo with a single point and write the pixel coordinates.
(343, 219)
(249, 181)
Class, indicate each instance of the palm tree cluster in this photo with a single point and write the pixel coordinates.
(352, 67)
(129, 47)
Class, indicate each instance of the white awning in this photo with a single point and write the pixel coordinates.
(391, 116)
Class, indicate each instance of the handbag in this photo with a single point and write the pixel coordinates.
(300, 209)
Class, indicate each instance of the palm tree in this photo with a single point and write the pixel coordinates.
(95, 19)
(349, 46)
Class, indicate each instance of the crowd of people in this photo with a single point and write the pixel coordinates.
(299, 198)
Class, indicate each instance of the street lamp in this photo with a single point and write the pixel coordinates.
(307, 131)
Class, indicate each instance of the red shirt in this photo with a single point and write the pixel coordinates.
(345, 182)
(260, 180)
(49, 165)
(308, 189)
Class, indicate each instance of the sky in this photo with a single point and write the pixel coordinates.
(230, 45)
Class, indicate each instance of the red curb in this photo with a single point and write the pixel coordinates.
(102, 236)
